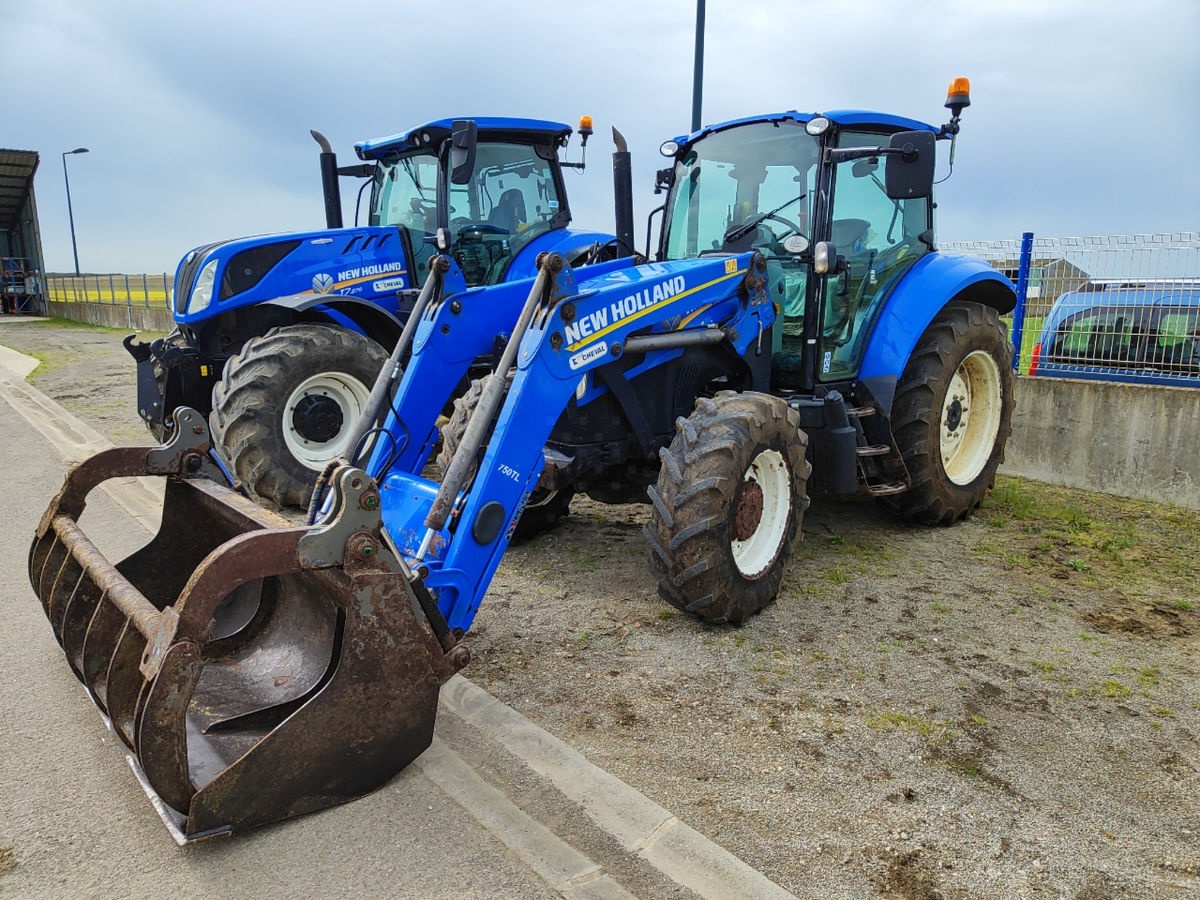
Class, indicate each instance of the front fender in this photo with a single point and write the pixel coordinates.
(360, 314)
(934, 281)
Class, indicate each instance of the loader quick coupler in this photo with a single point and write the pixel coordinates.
(255, 670)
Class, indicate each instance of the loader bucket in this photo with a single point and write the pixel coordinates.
(255, 670)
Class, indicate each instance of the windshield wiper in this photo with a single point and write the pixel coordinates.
(734, 233)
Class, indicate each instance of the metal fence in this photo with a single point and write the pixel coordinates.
(151, 291)
(1120, 307)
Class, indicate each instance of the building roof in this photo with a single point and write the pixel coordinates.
(16, 181)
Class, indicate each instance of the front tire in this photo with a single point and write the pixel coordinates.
(286, 404)
(953, 414)
(728, 505)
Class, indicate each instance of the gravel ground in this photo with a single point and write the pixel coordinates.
(1005, 708)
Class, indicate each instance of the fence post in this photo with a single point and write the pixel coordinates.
(1022, 289)
(145, 291)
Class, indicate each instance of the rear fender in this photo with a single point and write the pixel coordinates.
(932, 283)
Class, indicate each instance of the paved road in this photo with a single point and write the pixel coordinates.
(496, 808)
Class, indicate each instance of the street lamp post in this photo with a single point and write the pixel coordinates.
(70, 214)
(698, 66)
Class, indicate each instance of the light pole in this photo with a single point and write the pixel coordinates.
(70, 214)
(698, 66)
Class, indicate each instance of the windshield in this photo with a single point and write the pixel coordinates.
(748, 186)
(405, 194)
(511, 198)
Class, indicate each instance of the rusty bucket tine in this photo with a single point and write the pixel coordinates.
(123, 683)
(77, 616)
(45, 561)
(66, 584)
(99, 643)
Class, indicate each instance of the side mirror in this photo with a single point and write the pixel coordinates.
(463, 139)
(908, 170)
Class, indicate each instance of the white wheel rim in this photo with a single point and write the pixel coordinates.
(754, 555)
(348, 393)
(971, 417)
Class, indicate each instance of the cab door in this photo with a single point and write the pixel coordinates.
(879, 239)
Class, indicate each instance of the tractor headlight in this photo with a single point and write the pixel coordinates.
(669, 148)
(817, 125)
(203, 291)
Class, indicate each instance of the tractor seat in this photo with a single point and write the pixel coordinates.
(847, 233)
(509, 211)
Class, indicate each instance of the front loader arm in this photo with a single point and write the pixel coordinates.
(454, 331)
(573, 329)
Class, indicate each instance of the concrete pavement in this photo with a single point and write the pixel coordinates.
(497, 807)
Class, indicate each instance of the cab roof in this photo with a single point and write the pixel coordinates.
(844, 117)
(490, 128)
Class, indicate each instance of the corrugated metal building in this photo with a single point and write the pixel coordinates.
(22, 269)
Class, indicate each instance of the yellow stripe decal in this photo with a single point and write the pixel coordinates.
(596, 335)
(376, 277)
(687, 320)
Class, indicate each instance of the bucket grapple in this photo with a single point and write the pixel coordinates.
(253, 669)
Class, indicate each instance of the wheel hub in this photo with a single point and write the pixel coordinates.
(971, 415)
(748, 510)
(318, 418)
(954, 414)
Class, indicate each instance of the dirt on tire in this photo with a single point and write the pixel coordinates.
(251, 416)
(1008, 707)
(711, 499)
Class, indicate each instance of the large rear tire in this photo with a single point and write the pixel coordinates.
(728, 505)
(953, 414)
(286, 403)
(544, 509)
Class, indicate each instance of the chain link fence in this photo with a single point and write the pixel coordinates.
(1120, 307)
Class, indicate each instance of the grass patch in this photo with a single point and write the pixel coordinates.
(932, 732)
(1112, 690)
(1144, 549)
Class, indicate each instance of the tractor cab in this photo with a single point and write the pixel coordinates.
(481, 190)
(827, 201)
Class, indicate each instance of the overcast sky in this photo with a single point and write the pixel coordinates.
(1084, 118)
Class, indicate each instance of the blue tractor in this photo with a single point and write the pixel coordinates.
(278, 338)
(799, 332)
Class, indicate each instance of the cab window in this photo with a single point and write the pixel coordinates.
(510, 200)
(879, 239)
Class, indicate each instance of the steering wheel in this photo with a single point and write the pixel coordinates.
(791, 227)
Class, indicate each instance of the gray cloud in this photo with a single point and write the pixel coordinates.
(197, 115)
